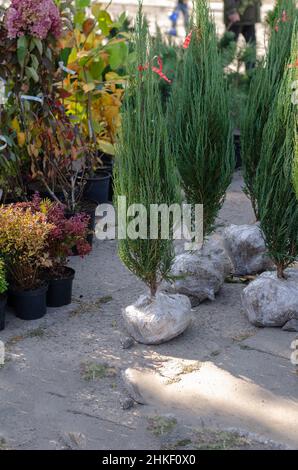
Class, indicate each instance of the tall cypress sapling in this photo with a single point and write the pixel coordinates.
(168, 51)
(295, 165)
(145, 169)
(199, 121)
(294, 99)
(274, 191)
(264, 87)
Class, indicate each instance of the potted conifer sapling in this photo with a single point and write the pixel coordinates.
(201, 137)
(245, 243)
(146, 174)
(272, 299)
(264, 87)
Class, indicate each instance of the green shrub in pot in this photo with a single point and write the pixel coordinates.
(274, 191)
(69, 232)
(199, 120)
(264, 87)
(24, 247)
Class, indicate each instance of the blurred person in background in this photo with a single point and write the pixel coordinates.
(240, 17)
(181, 7)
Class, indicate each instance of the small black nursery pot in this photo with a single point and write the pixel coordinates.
(108, 163)
(97, 188)
(29, 304)
(60, 289)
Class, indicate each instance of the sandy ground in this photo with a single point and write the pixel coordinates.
(222, 384)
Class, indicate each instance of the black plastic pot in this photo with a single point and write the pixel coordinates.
(108, 165)
(97, 188)
(60, 289)
(29, 304)
(3, 300)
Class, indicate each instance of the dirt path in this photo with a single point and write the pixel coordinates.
(222, 384)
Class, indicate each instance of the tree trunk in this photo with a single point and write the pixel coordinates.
(280, 271)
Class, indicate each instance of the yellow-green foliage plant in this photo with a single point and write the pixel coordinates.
(95, 51)
(23, 245)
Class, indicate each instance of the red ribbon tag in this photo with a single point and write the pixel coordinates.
(187, 41)
(160, 72)
(156, 70)
(293, 66)
(141, 68)
(283, 19)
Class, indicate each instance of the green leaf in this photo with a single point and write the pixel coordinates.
(38, 44)
(21, 53)
(49, 54)
(106, 147)
(132, 58)
(85, 76)
(96, 69)
(96, 9)
(97, 126)
(83, 3)
(79, 18)
(34, 61)
(83, 61)
(22, 42)
(65, 53)
(122, 18)
(72, 56)
(22, 50)
(31, 73)
(104, 22)
(118, 54)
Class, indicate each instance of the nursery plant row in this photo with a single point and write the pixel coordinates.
(87, 97)
(61, 89)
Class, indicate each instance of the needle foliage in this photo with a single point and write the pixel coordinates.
(199, 120)
(265, 85)
(145, 169)
(274, 191)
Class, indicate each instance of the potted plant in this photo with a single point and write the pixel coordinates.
(3, 296)
(199, 120)
(201, 140)
(24, 248)
(57, 152)
(68, 233)
(263, 90)
(93, 88)
(271, 300)
(28, 52)
(58, 155)
(145, 172)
